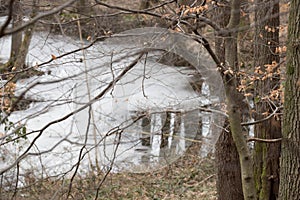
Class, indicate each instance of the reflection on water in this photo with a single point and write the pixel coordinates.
(163, 137)
(105, 132)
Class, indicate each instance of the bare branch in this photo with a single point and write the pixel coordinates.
(101, 94)
(38, 17)
(262, 120)
(128, 10)
(119, 132)
(264, 140)
(81, 151)
(6, 23)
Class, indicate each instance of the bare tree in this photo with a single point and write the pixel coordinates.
(229, 183)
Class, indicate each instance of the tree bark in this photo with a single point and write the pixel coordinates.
(16, 39)
(229, 182)
(23, 48)
(290, 153)
(234, 105)
(266, 155)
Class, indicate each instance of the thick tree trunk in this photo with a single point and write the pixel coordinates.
(290, 155)
(229, 182)
(266, 155)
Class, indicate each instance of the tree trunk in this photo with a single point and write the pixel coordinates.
(234, 106)
(266, 155)
(290, 152)
(23, 48)
(19, 63)
(16, 39)
(229, 182)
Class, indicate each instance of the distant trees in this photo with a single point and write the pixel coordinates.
(20, 39)
(16, 41)
(20, 57)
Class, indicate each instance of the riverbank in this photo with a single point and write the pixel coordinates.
(190, 177)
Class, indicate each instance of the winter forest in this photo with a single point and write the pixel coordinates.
(150, 99)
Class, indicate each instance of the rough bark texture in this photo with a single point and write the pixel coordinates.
(290, 155)
(229, 182)
(266, 155)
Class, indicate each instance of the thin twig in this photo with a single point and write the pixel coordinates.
(252, 139)
(144, 76)
(35, 19)
(7, 21)
(81, 151)
(96, 98)
(262, 120)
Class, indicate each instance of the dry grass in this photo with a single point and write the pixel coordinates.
(190, 177)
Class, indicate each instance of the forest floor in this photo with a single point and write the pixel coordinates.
(190, 177)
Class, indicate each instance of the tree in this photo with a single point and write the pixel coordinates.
(20, 43)
(16, 16)
(266, 155)
(290, 159)
(16, 40)
(234, 106)
(229, 183)
(19, 61)
(234, 99)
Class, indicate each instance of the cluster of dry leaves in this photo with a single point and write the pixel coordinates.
(6, 94)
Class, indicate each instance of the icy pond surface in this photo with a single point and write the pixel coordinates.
(82, 113)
